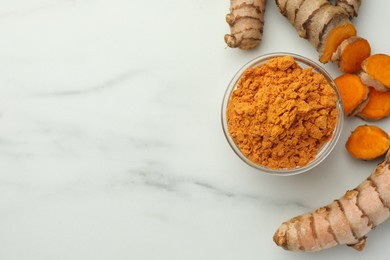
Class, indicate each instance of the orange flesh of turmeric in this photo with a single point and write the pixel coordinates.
(335, 38)
(353, 92)
(378, 67)
(378, 105)
(353, 55)
(368, 142)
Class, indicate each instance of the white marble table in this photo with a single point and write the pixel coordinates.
(111, 145)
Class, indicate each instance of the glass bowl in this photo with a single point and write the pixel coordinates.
(322, 153)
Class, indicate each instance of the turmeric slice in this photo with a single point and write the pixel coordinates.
(353, 93)
(376, 72)
(378, 105)
(332, 39)
(368, 142)
(351, 53)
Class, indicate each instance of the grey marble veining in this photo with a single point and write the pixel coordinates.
(111, 144)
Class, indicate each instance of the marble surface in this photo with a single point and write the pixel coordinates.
(111, 144)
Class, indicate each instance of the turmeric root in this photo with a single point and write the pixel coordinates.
(323, 24)
(246, 20)
(350, 6)
(378, 105)
(354, 94)
(351, 53)
(376, 72)
(344, 221)
(368, 142)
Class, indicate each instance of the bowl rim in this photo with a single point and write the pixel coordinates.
(322, 153)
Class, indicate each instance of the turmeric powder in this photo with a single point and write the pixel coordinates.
(280, 114)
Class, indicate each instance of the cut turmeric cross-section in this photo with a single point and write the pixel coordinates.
(332, 40)
(353, 93)
(351, 53)
(368, 142)
(378, 105)
(376, 71)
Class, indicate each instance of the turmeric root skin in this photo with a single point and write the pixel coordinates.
(350, 6)
(344, 221)
(323, 24)
(246, 20)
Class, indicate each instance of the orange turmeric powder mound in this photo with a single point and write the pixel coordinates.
(281, 114)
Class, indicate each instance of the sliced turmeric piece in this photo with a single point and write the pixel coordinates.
(331, 40)
(376, 71)
(378, 105)
(353, 93)
(351, 53)
(368, 142)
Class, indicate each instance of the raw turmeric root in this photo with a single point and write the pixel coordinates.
(351, 53)
(323, 24)
(350, 6)
(246, 20)
(344, 221)
(354, 94)
(368, 142)
(378, 105)
(376, 72)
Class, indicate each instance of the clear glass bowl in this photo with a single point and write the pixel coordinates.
(323, 152)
